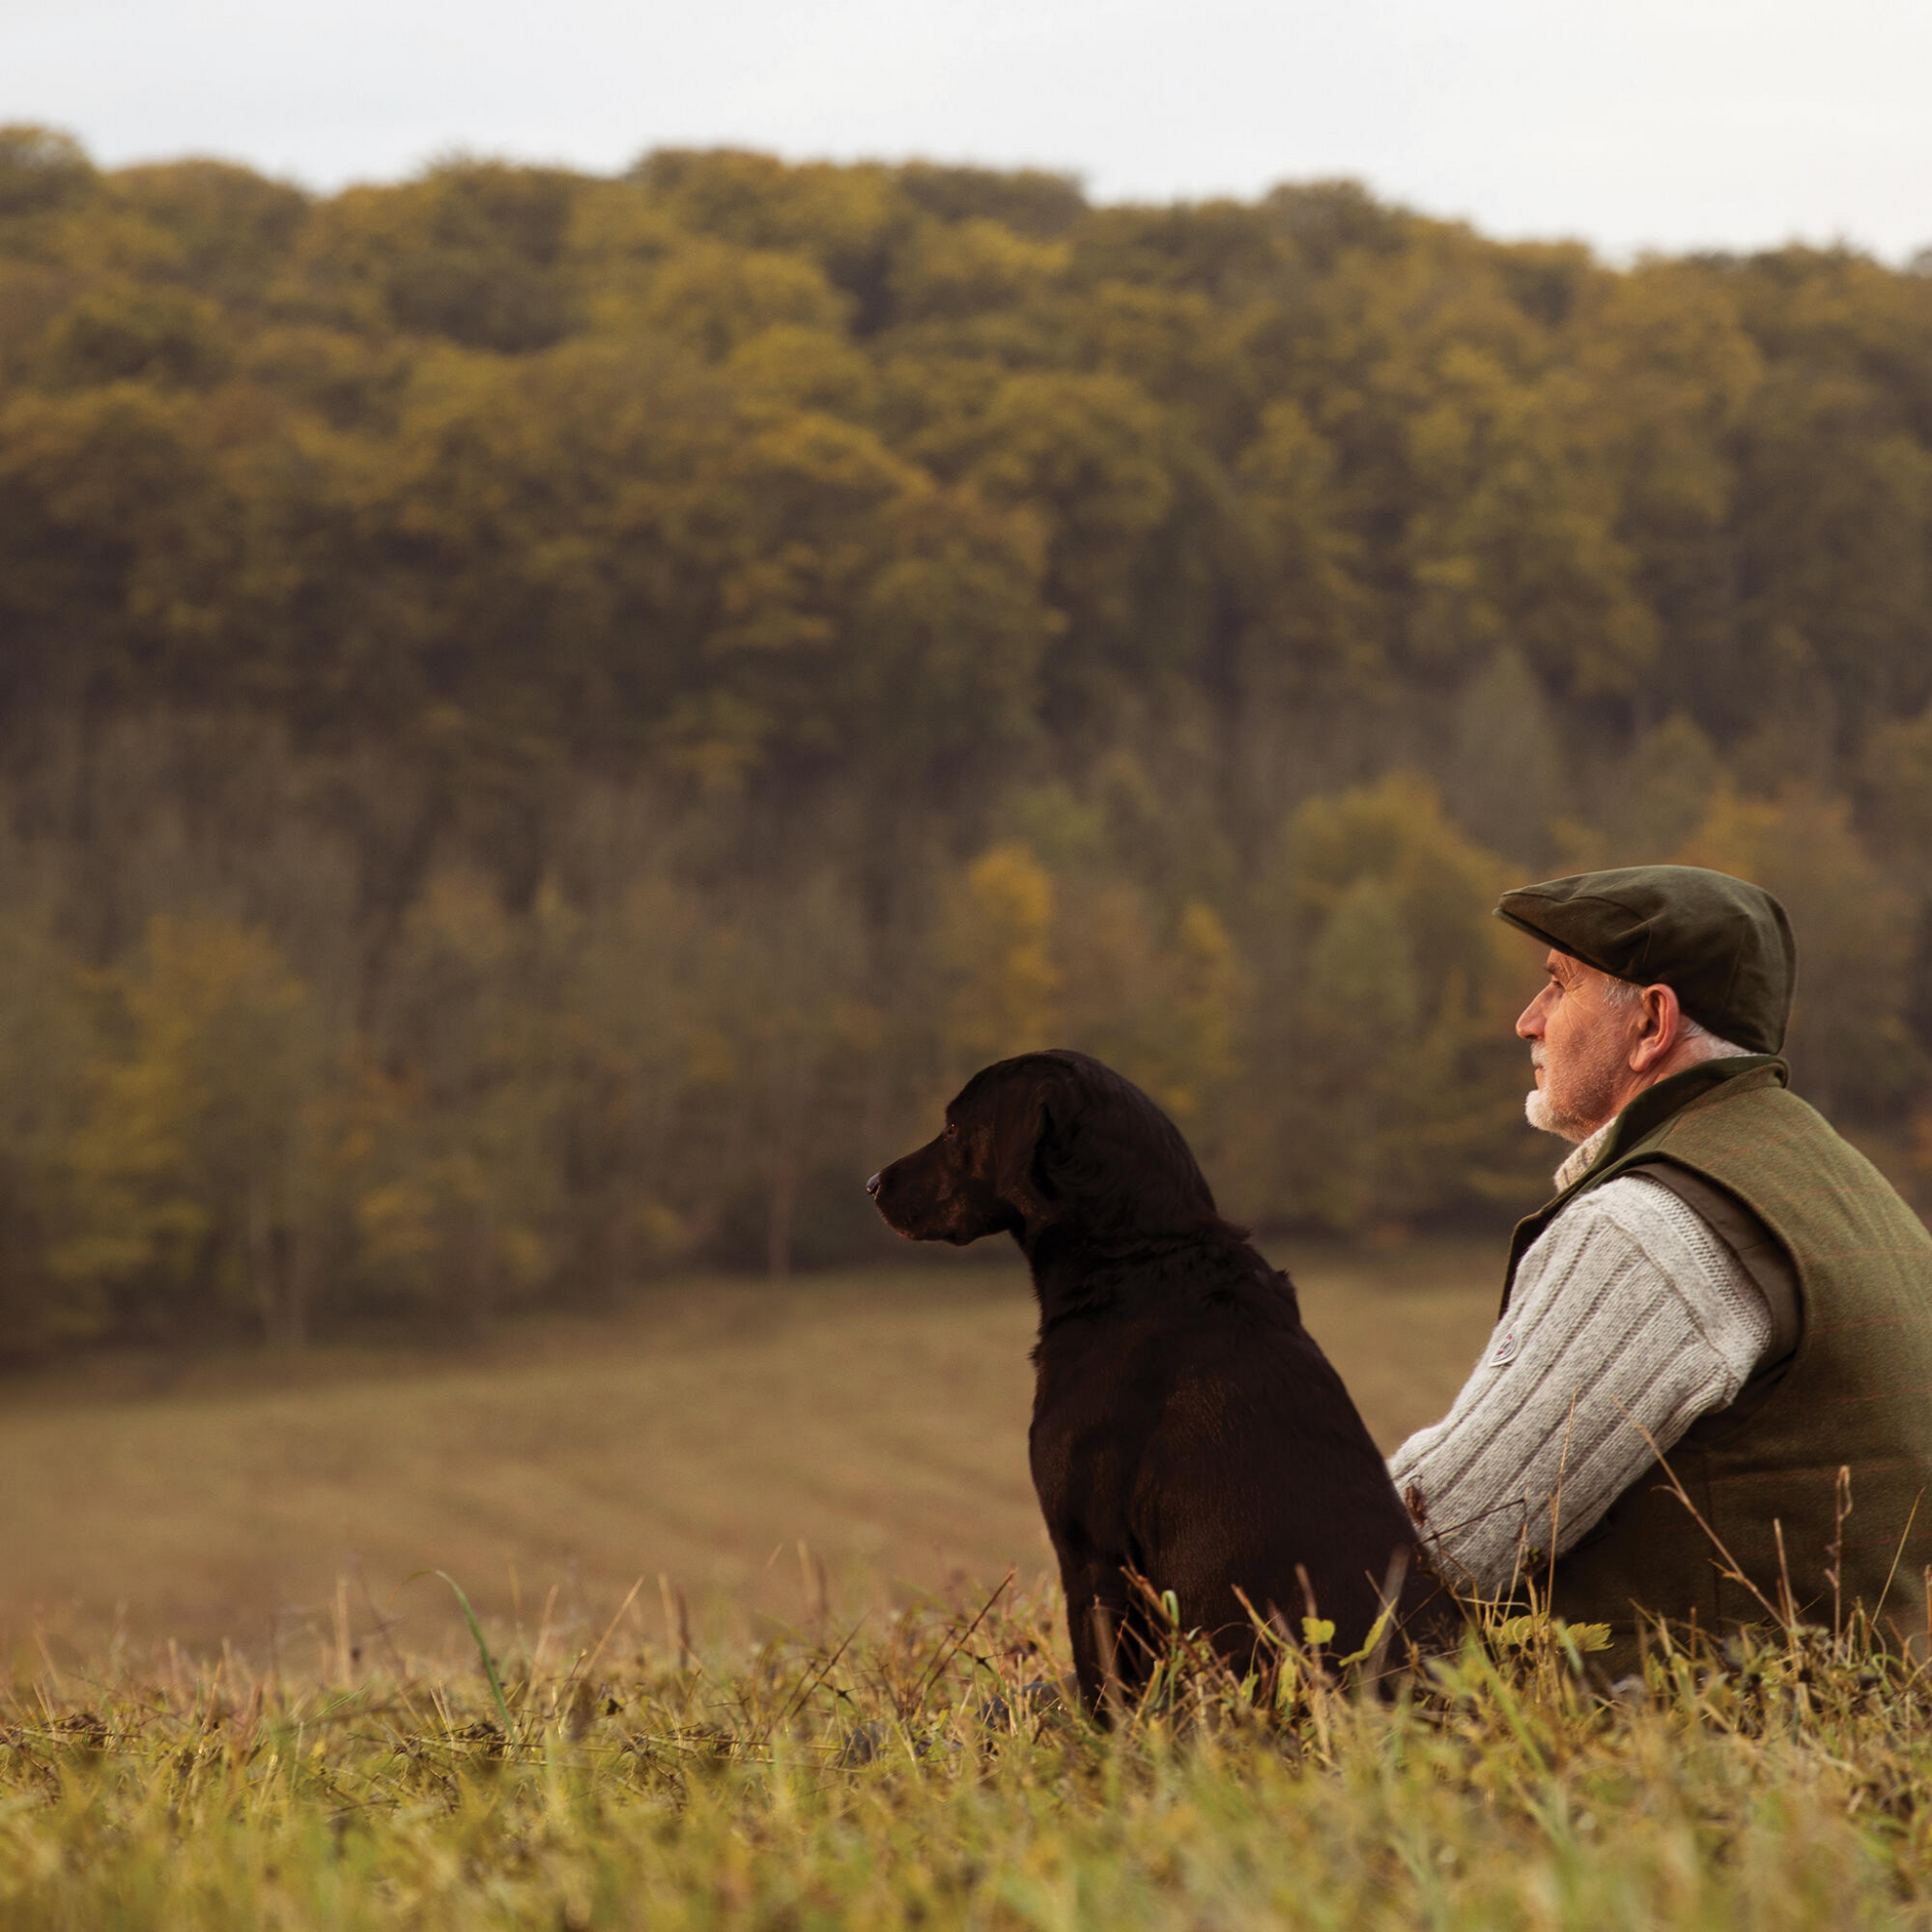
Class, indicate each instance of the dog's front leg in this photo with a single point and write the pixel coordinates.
(1096, 1617)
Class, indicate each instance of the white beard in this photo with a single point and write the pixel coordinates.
(1536, 1110)
(1542, 1114)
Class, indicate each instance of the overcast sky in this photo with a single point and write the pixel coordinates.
(1633, 123)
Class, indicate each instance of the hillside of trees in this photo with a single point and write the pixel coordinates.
(549, 720)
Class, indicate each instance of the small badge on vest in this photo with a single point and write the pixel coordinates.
(1504, 1352)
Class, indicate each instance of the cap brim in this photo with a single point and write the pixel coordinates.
(1550, 939)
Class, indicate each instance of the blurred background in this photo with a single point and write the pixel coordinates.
(551, 712)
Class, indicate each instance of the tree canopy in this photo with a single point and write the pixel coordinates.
(612, 693)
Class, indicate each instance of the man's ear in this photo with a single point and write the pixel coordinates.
(1662, 1028)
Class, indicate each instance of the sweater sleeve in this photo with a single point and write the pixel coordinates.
(1629, 1320)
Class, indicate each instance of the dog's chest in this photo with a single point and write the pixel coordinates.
(1095, 1409)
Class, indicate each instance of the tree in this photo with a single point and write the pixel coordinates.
(192, 1169)
(1505, 769)
(1385, 1067)
(471, 252)
(47, 1045)
(998, 946)
(40, 169)
(1851, 1052)
(681, 667)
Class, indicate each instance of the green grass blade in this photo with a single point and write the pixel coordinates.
(482, 1651)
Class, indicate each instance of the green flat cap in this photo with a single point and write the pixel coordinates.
(1722, 944)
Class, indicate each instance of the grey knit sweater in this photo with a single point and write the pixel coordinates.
(1629, 1320)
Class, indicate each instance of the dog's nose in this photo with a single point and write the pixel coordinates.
(872, 1186)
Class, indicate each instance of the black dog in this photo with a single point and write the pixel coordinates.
(1186, 1429)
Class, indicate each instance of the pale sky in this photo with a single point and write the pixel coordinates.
(1634, 123)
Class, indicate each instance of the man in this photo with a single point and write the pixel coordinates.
(1721, 1280)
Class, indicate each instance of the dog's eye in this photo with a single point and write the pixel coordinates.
(951, 1132)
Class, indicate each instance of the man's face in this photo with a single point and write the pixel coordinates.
(1580, 1045)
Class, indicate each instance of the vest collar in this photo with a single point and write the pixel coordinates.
(1637, 1122)
(1656, 1104)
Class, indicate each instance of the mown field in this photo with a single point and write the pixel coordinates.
(228, 1707)
(702, 1435)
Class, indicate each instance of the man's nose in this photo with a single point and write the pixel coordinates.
(872, 1186)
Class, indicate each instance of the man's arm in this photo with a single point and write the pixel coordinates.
(1629, 1320)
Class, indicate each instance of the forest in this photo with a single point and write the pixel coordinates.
(549, 720)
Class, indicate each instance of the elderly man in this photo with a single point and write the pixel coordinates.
(1721, 1280)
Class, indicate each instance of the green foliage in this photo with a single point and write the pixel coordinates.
(1390, 995)
(469, 252)
(892, 614)
(1000, 943)
(1898, 792)
(1851, 1047)
(189, 1170)
(41, 168)
(46, 1047)
(155, 336)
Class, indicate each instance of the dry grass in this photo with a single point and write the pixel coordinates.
(880, 1418)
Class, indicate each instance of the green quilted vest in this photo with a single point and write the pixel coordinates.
(1856, 1393)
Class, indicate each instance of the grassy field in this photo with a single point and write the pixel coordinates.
(879, 1419)
(924, 1774)
(226, 1708)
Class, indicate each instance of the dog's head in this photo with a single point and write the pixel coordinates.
(1047, 1140)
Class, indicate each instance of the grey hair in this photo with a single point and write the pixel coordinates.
(1628, 992)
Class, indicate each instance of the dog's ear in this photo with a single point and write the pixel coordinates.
(1059, 1114)
(1034, 1132)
